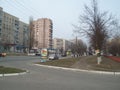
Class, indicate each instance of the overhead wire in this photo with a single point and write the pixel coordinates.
(17, 11)
(27, 8)
(21, 9)
(31, 7)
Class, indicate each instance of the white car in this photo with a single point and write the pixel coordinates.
(53, 57)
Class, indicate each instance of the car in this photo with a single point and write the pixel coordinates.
(63, 55)
(53, 57)
(38, 54)
(3, 54)
(31, 54)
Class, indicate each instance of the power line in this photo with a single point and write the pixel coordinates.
(30, 9)
(20, 8)
(17, 11)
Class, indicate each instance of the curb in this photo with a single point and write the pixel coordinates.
(14, 74)
(80, 70)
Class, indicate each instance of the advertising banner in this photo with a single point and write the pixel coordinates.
(44, 53)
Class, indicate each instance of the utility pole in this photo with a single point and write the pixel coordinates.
(31, 33)
(76, 41)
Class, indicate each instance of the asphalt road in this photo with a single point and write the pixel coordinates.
(41, 78)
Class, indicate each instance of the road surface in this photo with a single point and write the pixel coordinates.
(41, 78)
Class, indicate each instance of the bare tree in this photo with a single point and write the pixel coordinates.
(78, 48)
(96, 25)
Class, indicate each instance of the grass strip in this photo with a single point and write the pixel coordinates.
(61, 63)
(6, 70)
(86, 62)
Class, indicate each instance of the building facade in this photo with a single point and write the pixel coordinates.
(13, 33)
(57, 43)
(43, 32)
(61, 45)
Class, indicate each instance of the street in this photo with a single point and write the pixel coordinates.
(41, 78)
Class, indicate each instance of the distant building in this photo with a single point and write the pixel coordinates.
(57, 43)
(43, 32)
(61, 44)
(13, 33)
(76, 40)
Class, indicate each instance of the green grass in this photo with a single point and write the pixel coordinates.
(61, 63)
(86, 62)
(6, 70)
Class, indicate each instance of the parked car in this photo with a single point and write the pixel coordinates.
(3, 54)
(38, 54)
(31, 54)
(63, 55)
(53, 57)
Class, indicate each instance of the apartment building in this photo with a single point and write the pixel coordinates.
(23, 35)
(13, 32)
(61, 44)
(43, 32)
(57, 43)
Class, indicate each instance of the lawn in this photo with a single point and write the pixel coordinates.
(108, 65)
(86, 62)
(6, 70)
(61, 63)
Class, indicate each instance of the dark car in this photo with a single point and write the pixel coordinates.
(38, 54)
(63, 55)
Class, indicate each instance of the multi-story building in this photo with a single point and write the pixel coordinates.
(57, 43)
(23, 35)
(61, 44)
(13, 32)
(43, 29)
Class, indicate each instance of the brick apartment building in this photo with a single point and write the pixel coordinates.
(43, 32)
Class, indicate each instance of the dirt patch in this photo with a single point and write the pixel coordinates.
(82, 64)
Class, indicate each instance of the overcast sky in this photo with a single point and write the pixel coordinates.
(63, 13)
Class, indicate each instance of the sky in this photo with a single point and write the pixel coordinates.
(63, 13)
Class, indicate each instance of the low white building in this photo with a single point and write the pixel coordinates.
(61, 44)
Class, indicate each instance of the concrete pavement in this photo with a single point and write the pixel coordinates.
(41, 78)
